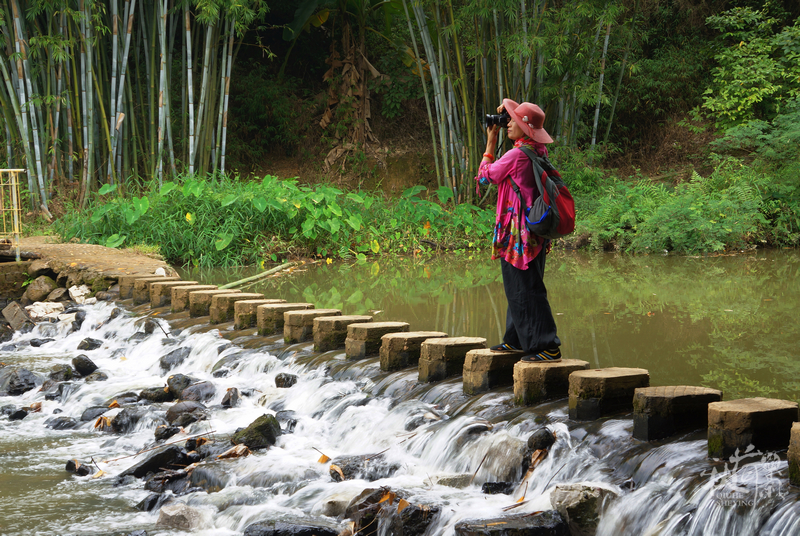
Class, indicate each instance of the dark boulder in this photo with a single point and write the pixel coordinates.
(36, 343)
(541, 439)
(156, 394)
(104, 295)
(175, 481)
(15, 381)
(182, 410)
(177, 383)
(232, 398)
(18, 415)
(80, 316)
(93, 412)
(150, 326)
(40, 288)
(212, 449)
(369, 467)
(125, 421)
(138, 337)
(262, 433)
(171, 456)
(199, 392)
(174, 358)
(8, 409)
(96, 376)
(284, 380)
(6, 333)
(58, 391)
(164, 432)
(89, 344)
(547, 523)
(151, 502)
(58, 295)
(61, 373)
(115, 312)
(79, 468)
(123, 399)
(140, 532)
(83, 365)
(290, 526)
(61, 423)
(498, 488)
(288, 420)
(210, 477)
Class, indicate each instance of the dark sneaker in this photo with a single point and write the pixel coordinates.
(503, 347)
(547, 356)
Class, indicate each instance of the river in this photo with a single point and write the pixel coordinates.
(727, 322)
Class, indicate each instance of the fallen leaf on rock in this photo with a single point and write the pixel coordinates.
(323, 459)
(238, 451)
(98, 474)
(388, 496)
(36, 407)
(402, 505)
(114, 404)
(338, 469)
(201, 441)
(103, 423)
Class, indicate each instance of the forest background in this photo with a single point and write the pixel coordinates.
(169, 123)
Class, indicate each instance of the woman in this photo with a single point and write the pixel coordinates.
(530, 327)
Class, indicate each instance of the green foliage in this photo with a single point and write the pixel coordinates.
(225, 223)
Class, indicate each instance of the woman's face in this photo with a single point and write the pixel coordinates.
(515, 131)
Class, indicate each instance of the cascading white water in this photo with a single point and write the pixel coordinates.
(345, 408)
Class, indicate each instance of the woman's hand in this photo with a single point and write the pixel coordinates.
(492, 133)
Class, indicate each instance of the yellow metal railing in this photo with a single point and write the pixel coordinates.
(10, 208)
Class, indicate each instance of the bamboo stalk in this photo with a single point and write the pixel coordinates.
(190, 88)
(162, 83)
(227, 95)
(203, 86)
(599, 92)
(112, 113)
(262, 275)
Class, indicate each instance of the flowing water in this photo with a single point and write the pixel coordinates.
(727, 322)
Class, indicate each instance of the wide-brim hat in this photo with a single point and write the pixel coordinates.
(530, 117)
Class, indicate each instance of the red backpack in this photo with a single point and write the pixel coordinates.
(553, 212)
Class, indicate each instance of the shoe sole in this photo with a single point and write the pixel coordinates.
(524, 360)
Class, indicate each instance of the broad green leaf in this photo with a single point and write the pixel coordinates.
(355, 197)
(444, 194)
(361, 258)
(275, 203)
(335, 209)
(141, 204)
(167, 187)
(334, 225)
(375, 247)
(260, 204)
(223, 241)
(354, 221)
(414, 190)
(229, 199)
(131, 215)
(107, 189)
(115, 240)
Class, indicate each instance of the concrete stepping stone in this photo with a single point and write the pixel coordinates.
(245, 314)
(444, 357)
(330, 332)
(126, 284)
(270, 319)
(765, 423)
(221, 309)
(161, 292)
(364, 339)
(794, 455)
(200, 300)
(400, 350)
(536, 382)
(298, 325)
(485, 370)
(660, 412)
(598, 392)
(180, 296)
(141, 288)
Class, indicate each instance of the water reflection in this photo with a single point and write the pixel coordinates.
(727, 322)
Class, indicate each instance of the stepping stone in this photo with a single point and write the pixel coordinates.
(660, 412)
(400, 350)
(794, 455)
(545, 523)
(330, 332)
(126, 284)
(141, 288)
(298, 325)
(765, 423)
(444, 357)
(200, 300)
(365, 339)
(161, 292)
(598, 392)
(221, 309)
(269, 318)
(485, 370)
(245, 314)
(180, 296)
(536, 382)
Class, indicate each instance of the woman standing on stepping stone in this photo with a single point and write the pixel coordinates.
(530, 327)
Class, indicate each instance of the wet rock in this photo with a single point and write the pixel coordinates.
(138, 337)
(150, 326)
(210, 477)
(199, 392)
(151, 502)
(460, 480)
(175, 481)
(8, 409)
(16, 316)
(364, 509)
(80, 317)
(287, 419)
(140, 532)
(59, 295)
(61, 423)
(123, 399)
(498, 488)
(174, 358)
(232, 398)
(79, 468)
(179, 516)
(83, 365)
(61, 373)
(541, 439)
(580, 505)
(212, 449)
(156, 394)
(369, 467)
(36, 343)
(262, 433)
(284, 380)
(125, 421)
(89, 344)
(171, 456)
(15, 381)
(412, 520)
(96, 377)
(291, 526)
(18, 415)
(93, 412)
(188, 410)
(104, 295)
(6, 333)
(164, 432)
(115, 312)
(58, 391)
(548, 523)
(40, 288)
(177, 383)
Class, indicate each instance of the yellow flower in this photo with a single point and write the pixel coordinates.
(328, 260)
(189, 217)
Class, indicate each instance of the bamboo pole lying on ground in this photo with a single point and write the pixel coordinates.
(259, 276)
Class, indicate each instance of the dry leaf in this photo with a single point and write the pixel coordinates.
(402, 505)
(237, 451)
(99, 473)
(36, 407)
(114, 404)
(123, 358)
(496, 523)
(323, 459)
(103, 423)
(166, 388)
(388, 496)
(201, 441)
(338, 469)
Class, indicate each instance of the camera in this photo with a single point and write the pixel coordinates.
(500, 119)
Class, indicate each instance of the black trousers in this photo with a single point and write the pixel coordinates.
(529, 321)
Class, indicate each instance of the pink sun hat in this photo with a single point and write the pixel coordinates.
(530, 117)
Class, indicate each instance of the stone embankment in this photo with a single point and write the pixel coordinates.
(658, 411)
